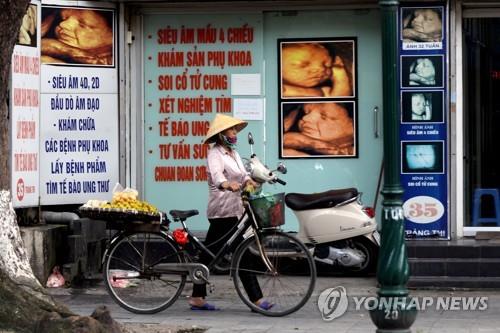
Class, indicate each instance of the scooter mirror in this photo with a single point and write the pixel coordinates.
(281, 168)
(250, 138)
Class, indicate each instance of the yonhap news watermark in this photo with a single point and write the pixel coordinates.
(334, 302)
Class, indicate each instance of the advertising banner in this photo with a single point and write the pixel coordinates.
(79, 119)
(424, 119)
(25, 110)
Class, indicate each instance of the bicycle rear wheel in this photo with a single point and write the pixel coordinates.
(291, 282)
(133, 278)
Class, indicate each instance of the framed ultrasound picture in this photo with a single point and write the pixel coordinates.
(28, 32)
(422, 157)
(78, 36)
(318, 129)
(422, 28)
(424, 106)
(317, 68)
(422, 71)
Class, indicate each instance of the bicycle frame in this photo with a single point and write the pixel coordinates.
(241, 227)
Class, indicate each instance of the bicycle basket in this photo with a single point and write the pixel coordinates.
(269, 210)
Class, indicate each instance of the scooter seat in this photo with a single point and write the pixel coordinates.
(301, 201)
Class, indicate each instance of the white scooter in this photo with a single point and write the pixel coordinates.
(336, 222)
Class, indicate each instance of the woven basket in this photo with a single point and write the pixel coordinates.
(269, 210)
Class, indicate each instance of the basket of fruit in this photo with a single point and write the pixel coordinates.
(119, 214)
(124, 207)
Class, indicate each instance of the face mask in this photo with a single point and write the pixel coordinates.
(230, 142)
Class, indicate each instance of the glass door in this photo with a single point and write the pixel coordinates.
(481, 65)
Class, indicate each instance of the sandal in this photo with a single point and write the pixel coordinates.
(264, 305)
(204, 307)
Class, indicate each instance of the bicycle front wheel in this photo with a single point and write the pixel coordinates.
(133, 276)
(286, 281)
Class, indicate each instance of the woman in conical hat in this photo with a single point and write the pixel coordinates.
(221, 123)
(226, 177)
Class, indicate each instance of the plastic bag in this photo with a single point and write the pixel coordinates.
(55, 280)
(95, 203)
(124, 193)
(122, 279)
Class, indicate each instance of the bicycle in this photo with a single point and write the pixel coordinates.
(154, 266)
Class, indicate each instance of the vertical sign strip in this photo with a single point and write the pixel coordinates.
(25, 108)
(424, 119)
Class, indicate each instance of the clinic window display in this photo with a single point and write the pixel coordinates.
(317, 98)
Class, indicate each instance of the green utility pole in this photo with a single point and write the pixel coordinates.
(392, 312)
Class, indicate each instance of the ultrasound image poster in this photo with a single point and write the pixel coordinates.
(423, 126)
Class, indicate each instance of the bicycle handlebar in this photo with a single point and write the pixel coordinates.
(280, 181)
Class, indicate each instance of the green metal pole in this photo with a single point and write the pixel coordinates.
(393, 311)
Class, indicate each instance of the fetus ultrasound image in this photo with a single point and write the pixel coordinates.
(422, 157)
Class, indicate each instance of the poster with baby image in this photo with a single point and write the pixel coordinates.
(312, 68)
(422, 71)
(420, 157)
(319, 75)
(317, 129)
(422, 106)
(28, 32)
(424, 114)
(421, 28)
(78, 36)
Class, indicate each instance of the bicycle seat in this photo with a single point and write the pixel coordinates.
(301, 201)
(183, 214)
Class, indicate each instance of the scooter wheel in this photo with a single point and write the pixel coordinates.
(369, 250)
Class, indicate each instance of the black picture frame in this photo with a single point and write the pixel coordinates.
(297, 64)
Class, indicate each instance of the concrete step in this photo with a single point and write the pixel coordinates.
(453, 249)
(453, 282)
(454, 267)
(466, 263)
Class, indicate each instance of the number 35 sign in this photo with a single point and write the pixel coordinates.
(423, 209)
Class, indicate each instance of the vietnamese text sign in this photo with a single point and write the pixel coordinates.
(192, 64)
(25, 108)
(79, 120)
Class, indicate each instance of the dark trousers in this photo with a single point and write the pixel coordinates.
(217, 229)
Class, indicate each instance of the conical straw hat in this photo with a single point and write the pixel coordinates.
(222, 122)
